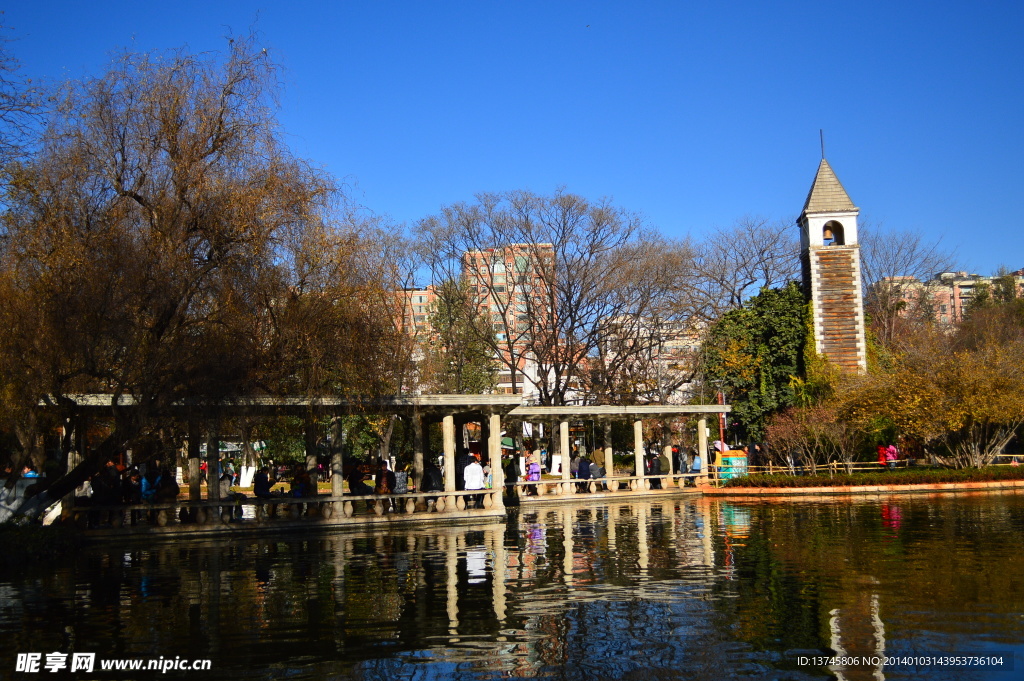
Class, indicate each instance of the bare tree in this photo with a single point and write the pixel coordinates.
(21, 103)
(458, 355)
(559, 276)
(731, 265)
(896, 267)
(164, 244)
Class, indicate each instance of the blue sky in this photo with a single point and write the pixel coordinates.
(694, 114)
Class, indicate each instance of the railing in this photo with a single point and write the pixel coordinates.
(833, 467)
(267, 510)
(617, 483)
(263, 510)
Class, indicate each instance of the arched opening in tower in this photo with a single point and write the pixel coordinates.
(832, 234)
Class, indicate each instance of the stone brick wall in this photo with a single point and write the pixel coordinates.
(838, 307)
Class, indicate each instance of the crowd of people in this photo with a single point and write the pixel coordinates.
(116, 485)
(153, 482)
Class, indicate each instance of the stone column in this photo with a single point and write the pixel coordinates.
(337, 462)
(702, 445)
(417, 449)
(494, 451)
(195, 490)
(638, 450)
(609, 458)
(536, 444)
(563, 445)
(74, 459)
(448, 437)
(666, 455)
(309, 431)
(485, 435)
(213, 464)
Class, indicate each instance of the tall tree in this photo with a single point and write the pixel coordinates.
(896, 267)
(754, 353)
(731, 265)
(164, 244)
(21, 103)
(557, 274)
(959, 395)
(459, 356)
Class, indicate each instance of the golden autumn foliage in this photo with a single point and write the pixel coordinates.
(960, 396)
(163, 243)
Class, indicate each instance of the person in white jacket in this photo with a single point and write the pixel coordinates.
(473, 476)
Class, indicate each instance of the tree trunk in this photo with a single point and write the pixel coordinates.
(31, 507)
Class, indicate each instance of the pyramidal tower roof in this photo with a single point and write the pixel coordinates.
(827, 194)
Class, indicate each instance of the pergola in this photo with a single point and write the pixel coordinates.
(636, 414)
(421, 410)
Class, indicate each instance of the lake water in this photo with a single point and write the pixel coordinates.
(678, 589)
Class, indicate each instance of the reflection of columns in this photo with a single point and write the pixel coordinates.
(638, 448)
(879, 629)
(563, 445)
(496, 539)
(673, 536)
(613, 513)
(567, 562)
(705, 513)
(195, 490)
(494, 452)
(448, 438)
(338, 587)
(417, 449)
(641, 533)
(213, 590)
(835, 642)
(451, 563)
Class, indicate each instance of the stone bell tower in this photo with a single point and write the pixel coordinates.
(831, 271)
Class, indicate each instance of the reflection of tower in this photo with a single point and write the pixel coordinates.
(857, 631)
(831, 271)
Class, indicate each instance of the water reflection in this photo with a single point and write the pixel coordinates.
(674, 589)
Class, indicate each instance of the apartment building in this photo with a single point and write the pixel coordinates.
(417, 304)
(946, 296)
(511, 286)
(657, 356)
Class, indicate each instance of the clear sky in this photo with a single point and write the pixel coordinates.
(693, 113)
